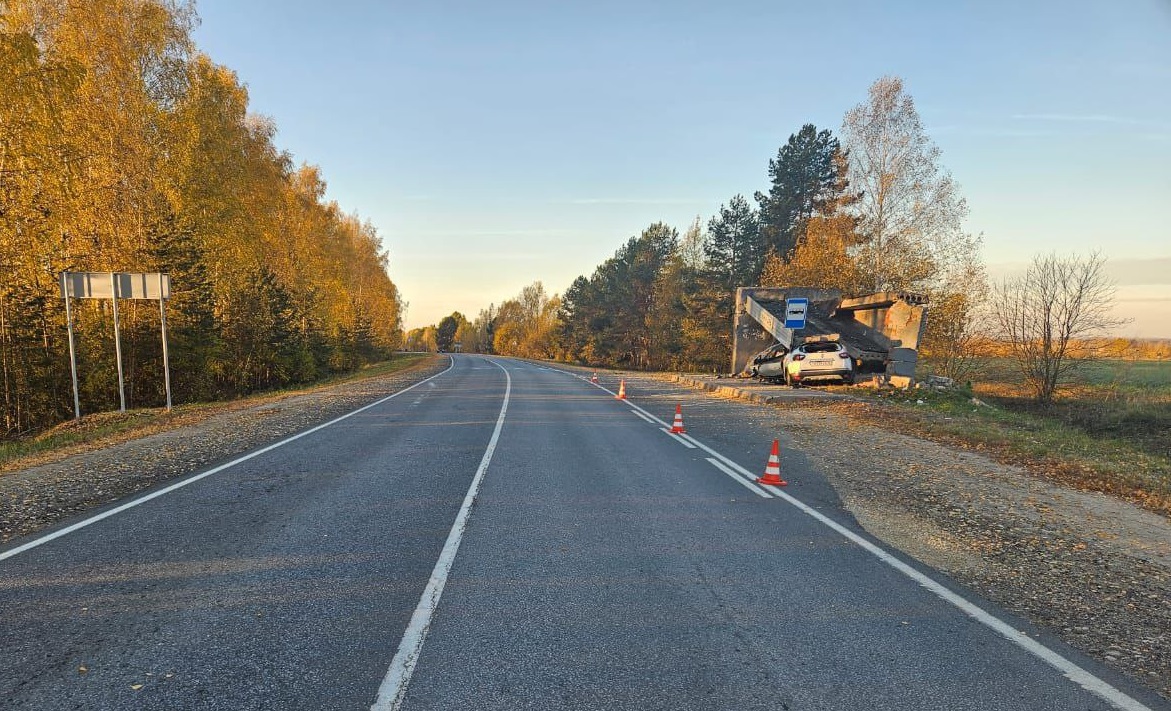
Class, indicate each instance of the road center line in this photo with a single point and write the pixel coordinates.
(393, 689)
(1099, 687)
(203, 475)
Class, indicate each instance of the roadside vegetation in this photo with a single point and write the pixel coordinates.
(872, 208)
(124, 148)
(1036, 381)
(1109, 430)
(107, 428)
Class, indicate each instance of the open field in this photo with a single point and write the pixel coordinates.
(1109, 431)
(1108, 372)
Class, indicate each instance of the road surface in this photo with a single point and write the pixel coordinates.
(507, 535)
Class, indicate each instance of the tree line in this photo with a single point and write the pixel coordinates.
(124, 148)
(872, 209)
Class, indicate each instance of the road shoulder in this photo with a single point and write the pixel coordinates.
(39, 496)
(1093, 569)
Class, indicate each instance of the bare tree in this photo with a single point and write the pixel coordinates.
(1058, 303)
(909, 209)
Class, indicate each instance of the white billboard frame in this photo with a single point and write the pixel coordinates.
(114, 286)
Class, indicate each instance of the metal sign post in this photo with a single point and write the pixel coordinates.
(114, 286)
(163, 327)
(72, 352)
(118, 344)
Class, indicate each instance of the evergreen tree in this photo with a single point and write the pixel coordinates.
(733, 250)
(805, 179)
(608, 317)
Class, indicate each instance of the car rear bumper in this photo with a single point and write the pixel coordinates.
(842, 373)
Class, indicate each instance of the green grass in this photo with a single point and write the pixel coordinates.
(1110, 432)
(103, 426)
(1112, 372)
(1136, 374)
(99, 426)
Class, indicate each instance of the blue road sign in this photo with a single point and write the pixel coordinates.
(795, 312)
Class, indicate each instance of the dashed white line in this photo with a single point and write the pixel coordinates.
(753, 487)
(644, 417)
(1099, 687)
(677, 438)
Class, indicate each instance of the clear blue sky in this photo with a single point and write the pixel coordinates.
(497, 143)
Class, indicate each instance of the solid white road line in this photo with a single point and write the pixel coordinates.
(393, 689)
(644, 417)
(753, 487)
(1073, 672)
(1099, 687)
(203, 475)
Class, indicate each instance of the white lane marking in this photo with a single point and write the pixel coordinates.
(639, 414)
(677, 438)
(753, 487)
(1099, 687)
(393, 689)
(1071, 671)
(202, 475)
(727, 462)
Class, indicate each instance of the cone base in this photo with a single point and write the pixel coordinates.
(772, 480)
(677, 430)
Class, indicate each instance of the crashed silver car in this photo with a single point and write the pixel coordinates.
(815, 361)
(823, 360)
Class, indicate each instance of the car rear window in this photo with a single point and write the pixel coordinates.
(820, 347)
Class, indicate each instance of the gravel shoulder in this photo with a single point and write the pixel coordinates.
(90, 476)
(1093, 569)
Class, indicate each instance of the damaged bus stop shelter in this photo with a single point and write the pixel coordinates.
(881, 331)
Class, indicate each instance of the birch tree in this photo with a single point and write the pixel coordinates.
(909, 210)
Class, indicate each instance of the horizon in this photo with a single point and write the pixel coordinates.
(492, 148)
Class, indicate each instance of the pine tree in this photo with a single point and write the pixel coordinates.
(733, 250)
(804, 180)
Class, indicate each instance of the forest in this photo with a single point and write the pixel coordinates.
(867, 210)
(124, 148)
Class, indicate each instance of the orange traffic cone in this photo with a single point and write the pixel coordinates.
(677, 428)
(594, 379)
(772, 472)
(621, 390)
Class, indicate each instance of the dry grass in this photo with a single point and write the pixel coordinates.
(107, 428)
(1106, 433)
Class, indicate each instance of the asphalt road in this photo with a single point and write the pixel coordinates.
(604, 564)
